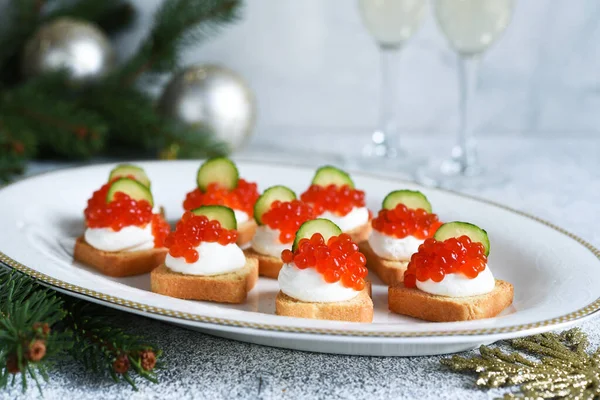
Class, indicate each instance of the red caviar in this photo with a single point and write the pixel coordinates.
(337, 260)
(123, 211)
(402, 221)
(337, 199)
(192, 230)
(436, 259)
(241, 198)
(287, 217)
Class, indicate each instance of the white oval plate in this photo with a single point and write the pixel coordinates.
(555, 274)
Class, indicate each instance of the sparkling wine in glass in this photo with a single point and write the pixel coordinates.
(391, 23)
(471, 27)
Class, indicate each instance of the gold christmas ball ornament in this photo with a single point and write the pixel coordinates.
(76, 46)
(213, 97)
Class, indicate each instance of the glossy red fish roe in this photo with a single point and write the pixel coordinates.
(287, 217)
(121, 212)
(241, 198)
(160, 230)
(98, 198)
(192, 230)
(436, 259)
(337, 260)
(336, 199)
(402, 221)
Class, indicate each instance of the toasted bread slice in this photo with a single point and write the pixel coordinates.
(360, 233)
(268, 266)
(118, 264)
(358, 309)
(226, 288)
(430, 307)
(246, 232)
(390, 272)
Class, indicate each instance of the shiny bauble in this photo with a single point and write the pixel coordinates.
(213, 97)
(78, 47)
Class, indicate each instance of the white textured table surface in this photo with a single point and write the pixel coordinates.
(558, 180)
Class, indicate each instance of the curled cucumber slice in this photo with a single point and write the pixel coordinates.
(329, 175)
(131, 188)
(224, 215)
(410, 198)
(320, 225)
(457, 229)
(274, 193)
(219, 170)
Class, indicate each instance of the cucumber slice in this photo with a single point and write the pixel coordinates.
(129, 170)
(320, 225)
(457, 229)
(329, 175)
(410, 198)
(219, 170)
(270, 195)
(224, 215)
(132, 188)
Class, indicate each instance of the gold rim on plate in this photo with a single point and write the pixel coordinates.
(570, 317)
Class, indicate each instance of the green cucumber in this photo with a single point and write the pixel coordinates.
(320, 225)
(130, 171)
(270, 195)
(224, 215)
(219, 170)
(457, 229)
(132, 188)
(410, 198)
(329, 175)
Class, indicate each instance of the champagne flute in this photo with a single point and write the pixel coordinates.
(471, 27)
(391, 23)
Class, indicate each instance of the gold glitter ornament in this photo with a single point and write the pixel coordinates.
(548, 366)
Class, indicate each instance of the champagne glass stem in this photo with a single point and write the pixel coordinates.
(464, 153)
(385, 137)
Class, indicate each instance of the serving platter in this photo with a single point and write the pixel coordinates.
(556, 275)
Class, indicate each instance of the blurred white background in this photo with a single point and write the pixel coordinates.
(314, 67)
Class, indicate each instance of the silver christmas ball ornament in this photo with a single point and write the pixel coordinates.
(213, 97)
(76, 46)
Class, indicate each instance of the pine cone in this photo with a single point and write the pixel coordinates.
(148, 360)
(37, 351)
(12, 364)
(121, 364)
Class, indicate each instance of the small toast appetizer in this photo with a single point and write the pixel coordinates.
(448, 279)
(279, 215)
(218, 183)
(124, 236)
(204, 261)
(333, 196)
(401, 226)
(323, 276)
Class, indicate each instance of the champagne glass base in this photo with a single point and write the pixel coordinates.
(385, 159)
(451, 174)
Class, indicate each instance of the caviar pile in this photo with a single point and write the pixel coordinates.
(241, 198)
(338, 259)
(339, 200)
(436, 259)
(287, 217)
(121, 212)
(402, 221)
(160, 230)
(192, 230)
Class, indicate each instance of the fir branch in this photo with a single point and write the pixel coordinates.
(178, 23)
(39, 326)
(105, 349)
(27, 312)
(558, 366)
(61, 126)
(17, 145)
(111, 16)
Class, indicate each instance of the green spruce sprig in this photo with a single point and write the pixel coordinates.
(50, 116)
(39, 326)
(546, 366)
